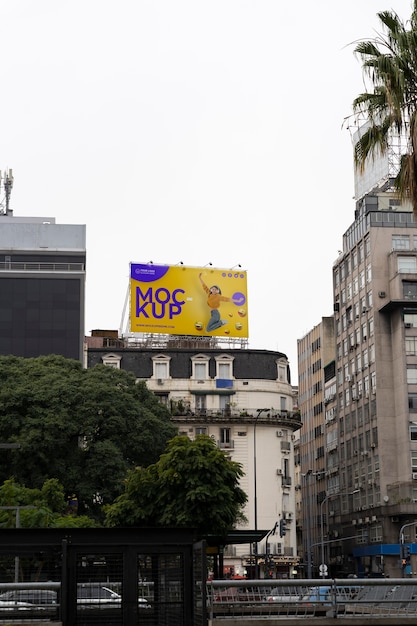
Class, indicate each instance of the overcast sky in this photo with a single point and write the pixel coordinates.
(190, 131)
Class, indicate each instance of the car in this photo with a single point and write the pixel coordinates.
(97, 595)
(93, 594)
(285, 594)
(28, 599)
(326, 594)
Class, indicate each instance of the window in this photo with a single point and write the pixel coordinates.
(161, 367)
(412, 402)
(283, 403)
(200, 403)
(409, 290)
(407, 264)
(161, 370)
(400, 242)
(367, 246)
(201, 430)
(412, 374)
(413, 431)
(282, 373)
(414, 460)
(224, 367)
(225, 438)
(200, 371)
(112, 360)
(410, 318)
(200, 367)
(224, 370)
(411, 345)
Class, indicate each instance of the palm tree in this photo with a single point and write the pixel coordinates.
(389, 61)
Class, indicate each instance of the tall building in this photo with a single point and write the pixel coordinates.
(316, 376)
(367, 412)
(42, 285)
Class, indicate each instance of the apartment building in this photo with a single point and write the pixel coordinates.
(244, 400)
(362, 483)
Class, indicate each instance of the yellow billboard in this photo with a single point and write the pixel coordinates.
(181, 300)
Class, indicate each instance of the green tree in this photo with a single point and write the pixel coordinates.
(192, 485)
(389, 61)
(84, 427)
(38, 508)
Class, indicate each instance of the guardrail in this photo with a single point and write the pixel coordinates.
(366, 599)
(30, 602)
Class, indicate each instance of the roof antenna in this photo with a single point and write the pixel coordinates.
(7, 185)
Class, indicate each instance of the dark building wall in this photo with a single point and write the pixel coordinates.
(40, 316)
(251, 364)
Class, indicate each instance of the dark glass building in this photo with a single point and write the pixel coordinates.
(42, 287)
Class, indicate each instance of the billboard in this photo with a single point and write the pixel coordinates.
(181, 300)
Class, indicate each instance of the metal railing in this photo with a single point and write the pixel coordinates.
(30, 601)
(19, 266)
(366, 599)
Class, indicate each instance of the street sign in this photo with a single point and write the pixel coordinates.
(323, 568)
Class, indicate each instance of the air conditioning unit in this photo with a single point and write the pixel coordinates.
(367, 520)
(365, 310)
(288, 516)
(280, 433)
(373, 518)
(160, 381)
(348, 378)
(414, 475)
(381, 294)
(408, 325)
(279, 472)
(353, 522)
(292, 437)
(331, 513)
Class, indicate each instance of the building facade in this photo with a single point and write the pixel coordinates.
(361, 478)
(244, 400)
(42, 284)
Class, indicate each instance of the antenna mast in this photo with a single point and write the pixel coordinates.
(7, 186)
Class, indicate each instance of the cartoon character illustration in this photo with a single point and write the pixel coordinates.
(213, 300)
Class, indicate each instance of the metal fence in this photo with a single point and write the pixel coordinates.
(368, 599)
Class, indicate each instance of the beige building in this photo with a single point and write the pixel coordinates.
(360, 429)
(244, 400)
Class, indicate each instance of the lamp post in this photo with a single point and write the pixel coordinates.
(17, 508)
(331, 495)
(255, 494)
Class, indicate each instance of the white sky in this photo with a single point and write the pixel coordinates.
(183, 130)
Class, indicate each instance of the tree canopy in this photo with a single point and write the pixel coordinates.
(192, 485)
(46, 507)
(84, 427)
(389, 62)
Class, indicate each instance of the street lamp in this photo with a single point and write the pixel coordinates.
(255, 495)
(331, 495)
